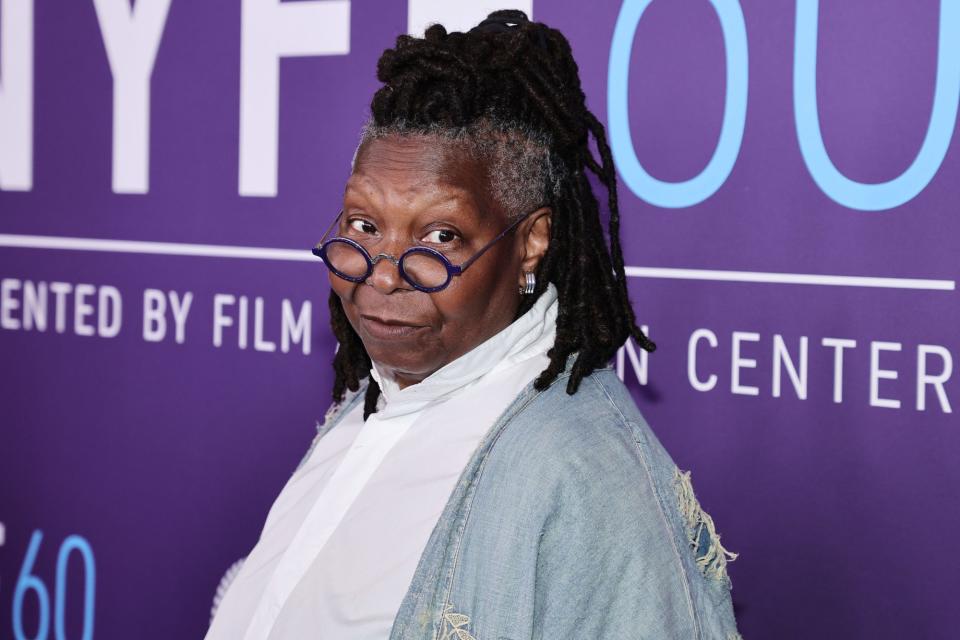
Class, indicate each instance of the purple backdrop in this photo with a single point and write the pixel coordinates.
(144, 465)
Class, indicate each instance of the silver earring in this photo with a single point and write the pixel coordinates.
(531, 282)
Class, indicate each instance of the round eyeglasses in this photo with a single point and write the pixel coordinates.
(424, 268)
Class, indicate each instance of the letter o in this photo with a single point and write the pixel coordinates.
(686, 193)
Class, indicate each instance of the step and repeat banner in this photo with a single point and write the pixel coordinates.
(790, 178)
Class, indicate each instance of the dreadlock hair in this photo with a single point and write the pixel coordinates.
(508, 92)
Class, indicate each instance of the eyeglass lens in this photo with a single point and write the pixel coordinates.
(425, 269)
(347, 259)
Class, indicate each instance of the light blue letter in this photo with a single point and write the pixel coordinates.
(26, 581)
(884, 195)
(89, 584)
(701, 187)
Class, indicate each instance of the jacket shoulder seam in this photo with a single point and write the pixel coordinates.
(335, 412)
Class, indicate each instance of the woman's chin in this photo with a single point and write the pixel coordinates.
(411, 365)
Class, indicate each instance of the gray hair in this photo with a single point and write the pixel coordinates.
(521, 170)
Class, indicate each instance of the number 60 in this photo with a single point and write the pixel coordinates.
(26, 581)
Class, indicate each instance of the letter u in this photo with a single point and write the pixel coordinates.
(893, 193)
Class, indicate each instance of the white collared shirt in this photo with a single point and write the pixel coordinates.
(342, 540)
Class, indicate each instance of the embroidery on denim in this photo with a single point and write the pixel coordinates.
(453, 624)
(711, 557)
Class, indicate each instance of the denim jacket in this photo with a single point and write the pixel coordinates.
(570, 520)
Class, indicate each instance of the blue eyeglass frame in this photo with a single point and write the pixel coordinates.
(320, 250)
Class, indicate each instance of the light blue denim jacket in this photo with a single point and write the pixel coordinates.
(570, 520)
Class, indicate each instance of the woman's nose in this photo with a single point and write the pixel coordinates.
(385, 275)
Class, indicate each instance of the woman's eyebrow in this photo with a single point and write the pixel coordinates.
(351, 187)
(462, 202)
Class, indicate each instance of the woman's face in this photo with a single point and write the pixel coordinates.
(420, 190)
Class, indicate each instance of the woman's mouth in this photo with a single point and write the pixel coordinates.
(386, 328)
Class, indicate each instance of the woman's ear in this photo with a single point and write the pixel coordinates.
(535, 232)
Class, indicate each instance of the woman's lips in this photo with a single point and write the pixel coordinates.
(389, 329)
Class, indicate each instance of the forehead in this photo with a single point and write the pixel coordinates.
(420, 171)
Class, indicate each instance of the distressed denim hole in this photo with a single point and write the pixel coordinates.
(711, 557)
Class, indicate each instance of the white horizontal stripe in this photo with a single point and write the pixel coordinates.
(792, 278)
(304, 255)
(162, 248)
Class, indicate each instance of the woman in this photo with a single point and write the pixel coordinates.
(483, 473)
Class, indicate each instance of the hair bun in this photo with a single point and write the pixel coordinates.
(509, 20)
(502, 20)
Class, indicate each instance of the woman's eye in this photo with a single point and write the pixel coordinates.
(362, 226)
(441, 236)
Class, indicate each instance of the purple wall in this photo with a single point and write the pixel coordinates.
(155, 461)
